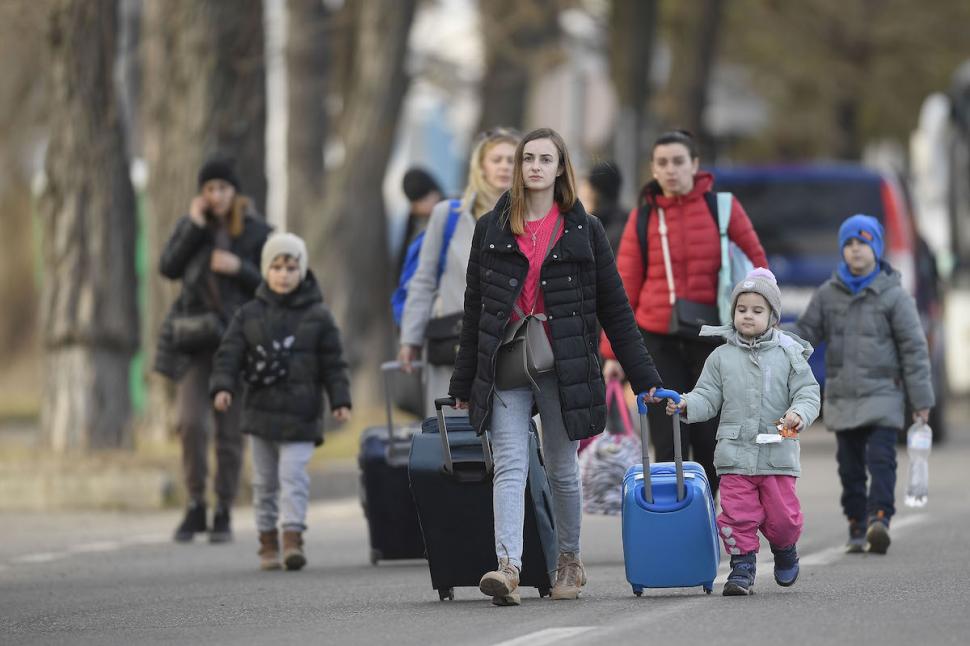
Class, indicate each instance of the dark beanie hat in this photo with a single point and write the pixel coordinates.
(606, 179)
(417, 183)
(218, 168)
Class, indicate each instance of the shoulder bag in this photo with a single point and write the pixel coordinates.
(686, 317)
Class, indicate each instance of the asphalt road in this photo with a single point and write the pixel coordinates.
(101, 578)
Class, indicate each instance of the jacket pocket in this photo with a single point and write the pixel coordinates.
(726, 450)
(784, 455)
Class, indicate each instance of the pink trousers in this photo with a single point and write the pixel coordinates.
(752, 503)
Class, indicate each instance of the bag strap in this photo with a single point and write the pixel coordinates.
(666, 250)
(614, 391)
(449, 231)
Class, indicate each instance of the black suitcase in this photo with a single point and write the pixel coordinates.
(392, 521)
(451, 480)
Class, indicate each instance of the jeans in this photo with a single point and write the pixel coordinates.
(281, 483)
(872, 448)
(511, 412)
(194, 413)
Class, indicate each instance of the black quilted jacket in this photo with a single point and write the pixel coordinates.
(581, 286)
(290, 409)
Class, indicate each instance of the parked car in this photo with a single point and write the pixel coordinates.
(797, 211)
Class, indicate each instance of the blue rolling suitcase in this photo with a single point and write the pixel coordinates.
(669, 532)
(451, 479)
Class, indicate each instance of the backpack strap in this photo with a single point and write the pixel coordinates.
(450, 227)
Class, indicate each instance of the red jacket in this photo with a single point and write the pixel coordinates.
(695, 254)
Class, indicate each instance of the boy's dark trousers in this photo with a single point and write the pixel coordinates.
(872, 448)
(194, 413)
(680, 362)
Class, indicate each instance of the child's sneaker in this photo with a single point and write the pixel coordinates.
(877, 536)
(786, 565)
(741, 580)
(857, 537)
(502, 584)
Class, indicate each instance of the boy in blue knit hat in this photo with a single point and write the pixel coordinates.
(876, 359)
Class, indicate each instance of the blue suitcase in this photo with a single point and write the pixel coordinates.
(669, 532)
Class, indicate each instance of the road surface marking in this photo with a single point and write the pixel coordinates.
(98, 546)
(546, 636)
(830, 555)
(41, 557)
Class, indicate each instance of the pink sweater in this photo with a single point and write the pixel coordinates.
(533, 244)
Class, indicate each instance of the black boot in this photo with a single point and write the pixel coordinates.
(221, 528)
(193, 522)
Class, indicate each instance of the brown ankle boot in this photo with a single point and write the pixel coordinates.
(269, 550)
(570, 576)
(293, 556)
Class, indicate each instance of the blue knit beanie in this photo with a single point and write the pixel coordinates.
(863, 228)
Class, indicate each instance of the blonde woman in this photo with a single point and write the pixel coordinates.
(538, 252)
(431, 295)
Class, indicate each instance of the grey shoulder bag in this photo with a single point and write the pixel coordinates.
(525, 351)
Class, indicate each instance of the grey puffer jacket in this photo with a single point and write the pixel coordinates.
(876, 356)
(753, 384)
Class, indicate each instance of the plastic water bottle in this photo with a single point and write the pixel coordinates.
(919, 441)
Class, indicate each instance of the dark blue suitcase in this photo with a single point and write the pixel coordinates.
(392, 520)
(451, 481)
(669, 531)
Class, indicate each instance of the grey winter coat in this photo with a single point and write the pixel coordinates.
(427, 297)
(753, 385)
(876, 354)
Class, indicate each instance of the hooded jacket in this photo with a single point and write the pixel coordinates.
(291, 409)
(695, 253)
(753, 385)
(580, 286)
(876, 356)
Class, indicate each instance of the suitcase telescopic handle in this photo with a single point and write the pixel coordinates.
(662, 393)
(450, 402)
(386, 369)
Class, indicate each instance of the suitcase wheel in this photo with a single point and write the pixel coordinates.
(544, 592)
(637, 591)
(709, 588)
(375, 556)
(446, 594)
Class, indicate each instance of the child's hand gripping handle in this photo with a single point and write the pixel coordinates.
(642, 399)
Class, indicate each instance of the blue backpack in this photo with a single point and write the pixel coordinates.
(400, 295)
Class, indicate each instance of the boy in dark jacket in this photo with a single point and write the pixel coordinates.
(876, 359)
(285, 345)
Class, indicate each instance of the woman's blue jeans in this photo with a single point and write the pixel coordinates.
(511, 412)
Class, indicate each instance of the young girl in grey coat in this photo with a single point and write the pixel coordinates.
(764, 389)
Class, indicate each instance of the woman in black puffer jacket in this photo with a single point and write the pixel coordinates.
(539, 252)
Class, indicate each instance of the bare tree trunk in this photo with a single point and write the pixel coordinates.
(90, 320)
(204, 92)
(633, 28)
(521, 38)
(306, 63)
(349, 238)
(709, 26)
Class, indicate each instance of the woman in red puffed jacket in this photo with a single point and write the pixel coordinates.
(678, 191)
